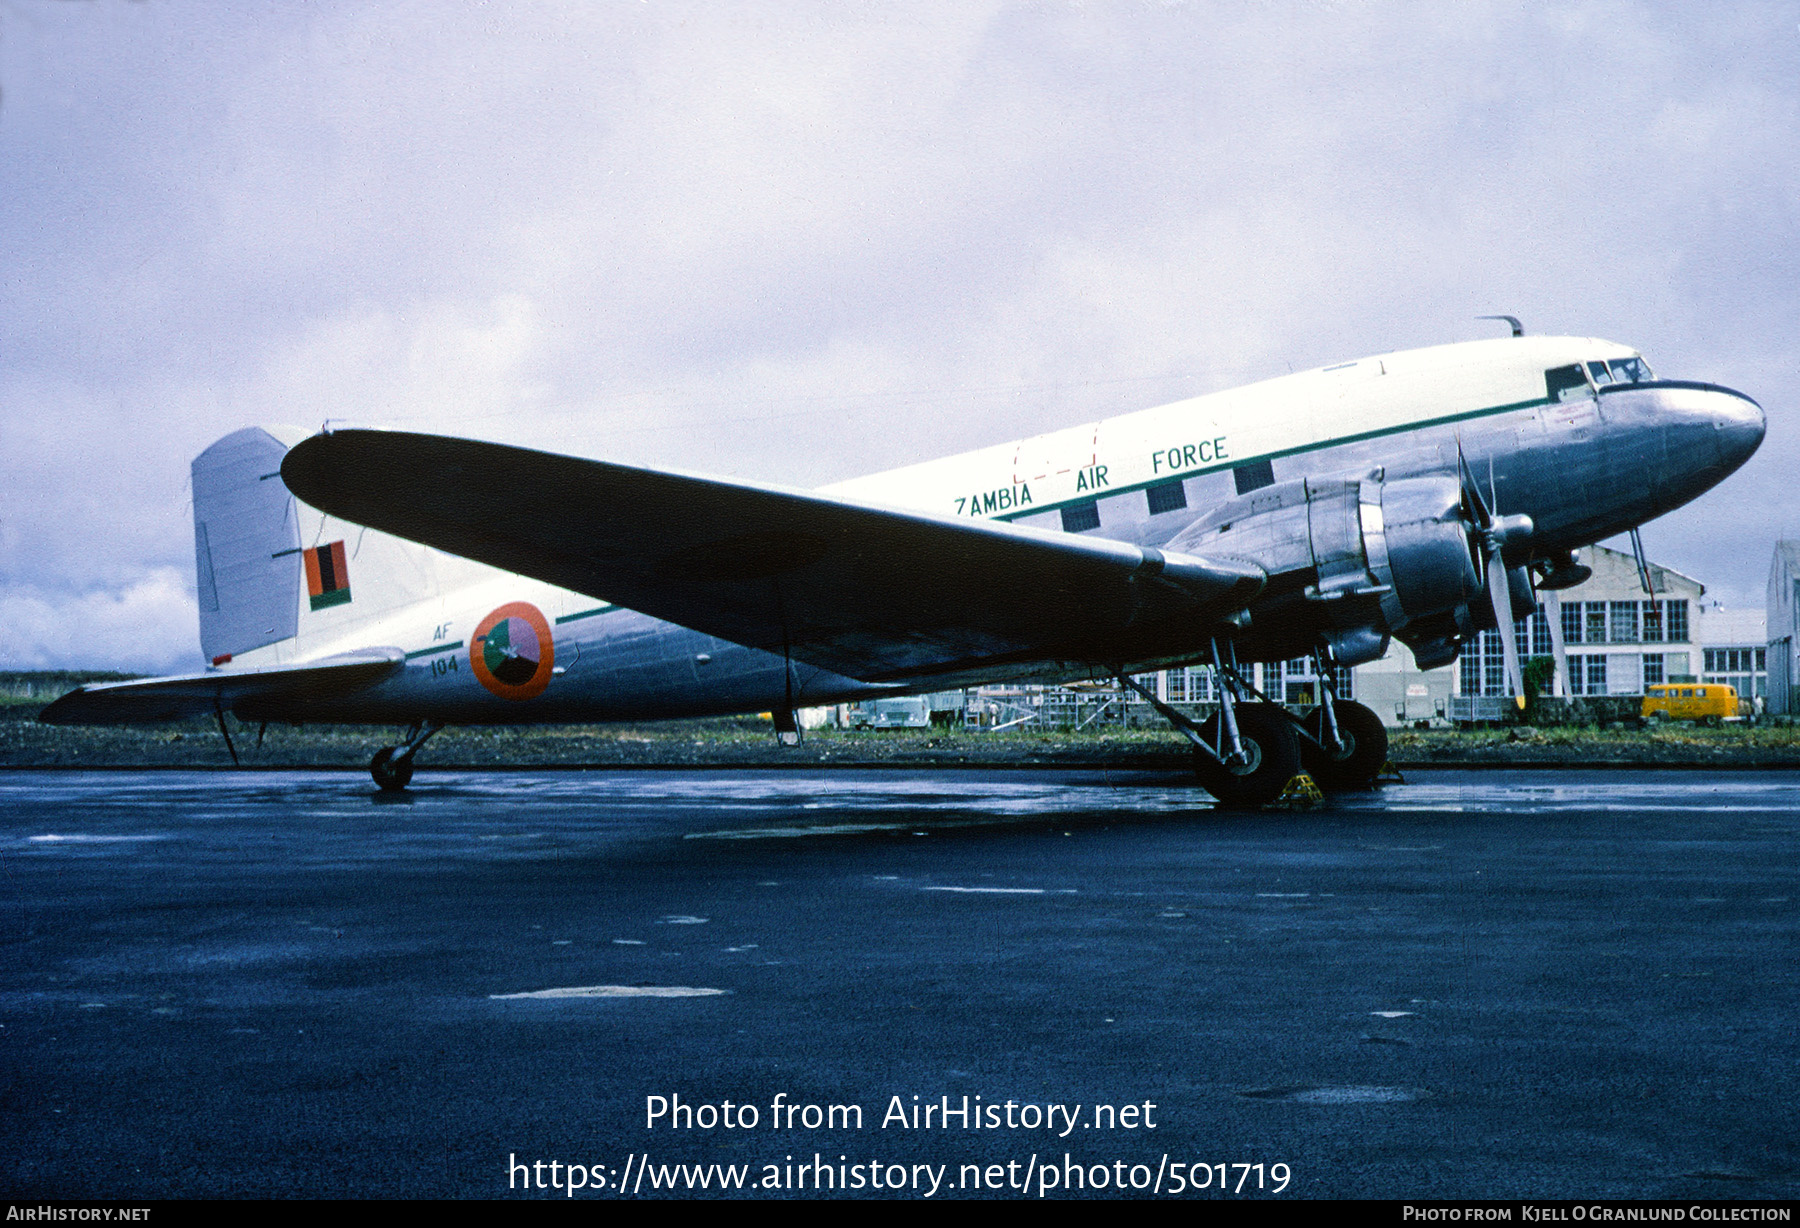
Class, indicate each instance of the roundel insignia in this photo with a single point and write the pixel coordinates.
(511, 651)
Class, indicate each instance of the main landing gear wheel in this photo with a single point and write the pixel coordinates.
(390, 771)
(1364, 748)
(1273, 757)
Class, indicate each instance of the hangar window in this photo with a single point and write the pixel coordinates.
(1596, 622)
(1587, 675)
(1169, 497)
(1623, 624)
(1562, 383)
(1571, 622)
(1596, 675)
(1080, 517)
(1675, 622)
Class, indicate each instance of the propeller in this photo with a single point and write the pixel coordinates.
(1492, 534)
(1558, 650)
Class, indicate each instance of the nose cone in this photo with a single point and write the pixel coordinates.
(1738, 424)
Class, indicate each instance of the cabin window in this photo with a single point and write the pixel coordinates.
(1254, 476)
(1562, 383)
(1080, 517)
(1169, 497)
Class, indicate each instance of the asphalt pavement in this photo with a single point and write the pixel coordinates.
(1476, 984)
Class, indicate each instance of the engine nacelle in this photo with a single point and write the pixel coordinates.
(1363, 559)
(1419, 547)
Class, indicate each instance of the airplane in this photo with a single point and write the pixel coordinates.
(1423, 495)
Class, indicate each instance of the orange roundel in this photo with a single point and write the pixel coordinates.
(512, 653)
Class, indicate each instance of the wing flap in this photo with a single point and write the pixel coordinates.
(183, 695)
(872, 592)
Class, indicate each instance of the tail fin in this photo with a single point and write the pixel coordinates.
(270, 568)
(246, 545)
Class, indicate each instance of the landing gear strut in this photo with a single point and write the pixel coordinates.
(1245, 753)
(1271, 757)
(1343, 744)
(392, 766)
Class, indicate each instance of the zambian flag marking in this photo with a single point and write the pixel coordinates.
(327, 579)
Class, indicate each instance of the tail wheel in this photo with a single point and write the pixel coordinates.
(1364, 747)
(390, 772)
(1273, 757)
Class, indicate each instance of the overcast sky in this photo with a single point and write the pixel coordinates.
(800, 243)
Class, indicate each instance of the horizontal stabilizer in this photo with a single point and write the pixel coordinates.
(203, 694)
(876, 593)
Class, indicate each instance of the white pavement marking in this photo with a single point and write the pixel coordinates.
(53, 838)
(616, 991)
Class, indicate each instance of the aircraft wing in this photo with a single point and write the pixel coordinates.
(183, 695)
(871, 592)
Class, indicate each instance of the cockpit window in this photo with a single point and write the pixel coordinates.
(1600, 373)
(1632, 370)
(1564, 383)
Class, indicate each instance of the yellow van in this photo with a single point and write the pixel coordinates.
(1709, 703)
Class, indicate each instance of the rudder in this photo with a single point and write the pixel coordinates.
(247, 558)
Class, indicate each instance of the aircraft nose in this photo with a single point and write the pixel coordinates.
(1739, 425)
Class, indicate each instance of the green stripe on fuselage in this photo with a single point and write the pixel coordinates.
(569, 618)
(1322, 445)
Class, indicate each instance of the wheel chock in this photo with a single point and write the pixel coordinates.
(1388, 775)
(1302, 793)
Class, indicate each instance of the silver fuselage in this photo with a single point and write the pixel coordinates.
(1582, 468)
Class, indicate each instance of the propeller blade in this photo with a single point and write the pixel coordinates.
(1501, 596)
(1478, 508)
(1492, 532)
(1558, 650)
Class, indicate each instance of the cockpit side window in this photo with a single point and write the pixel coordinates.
(1600, 373)
(1564, 383)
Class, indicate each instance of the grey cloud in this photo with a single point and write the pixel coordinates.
(802, 244)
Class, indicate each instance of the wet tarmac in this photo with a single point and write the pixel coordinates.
(1491, 984)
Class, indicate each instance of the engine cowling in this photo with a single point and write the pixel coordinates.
(1363, 559)
(1418, 547)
